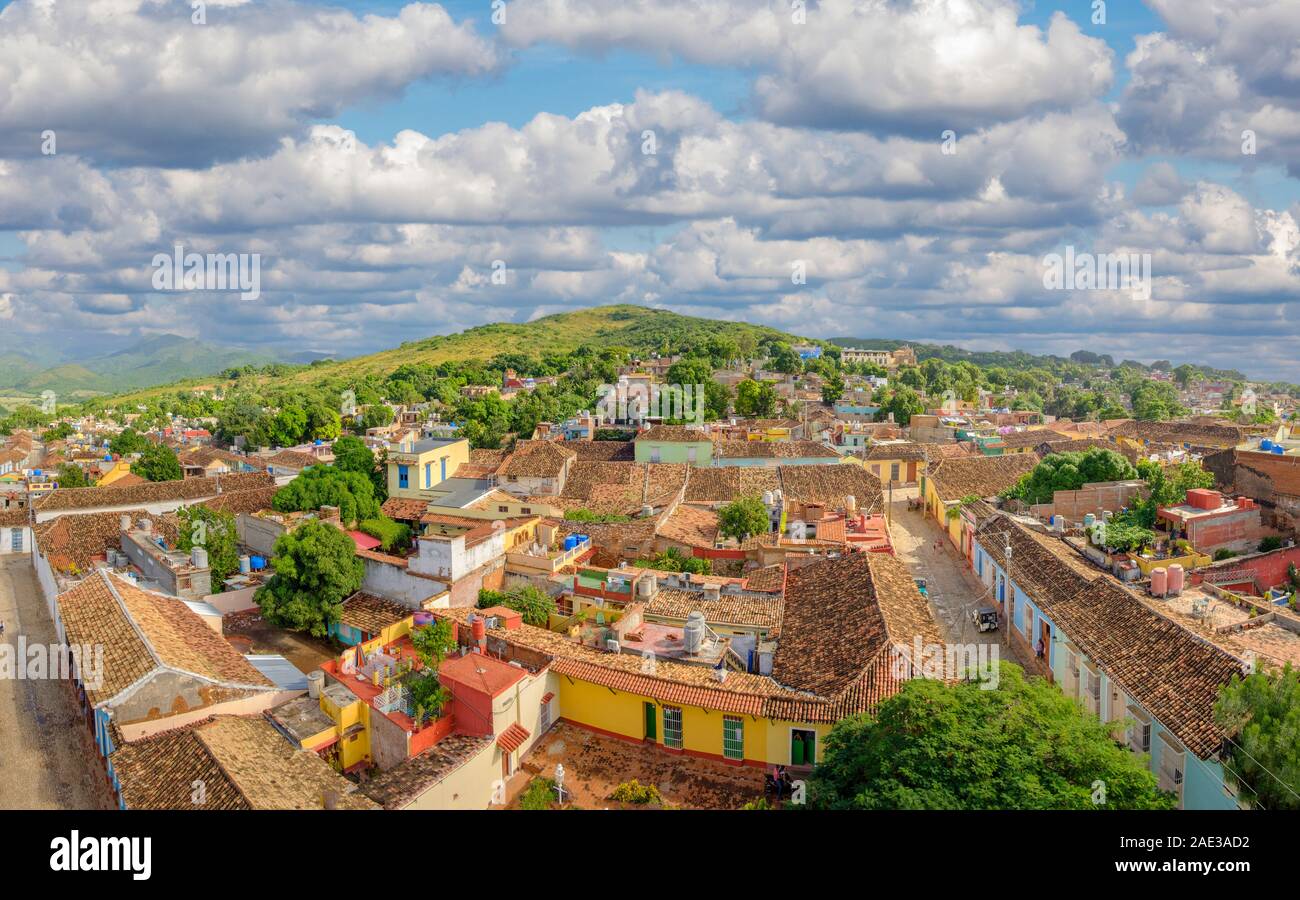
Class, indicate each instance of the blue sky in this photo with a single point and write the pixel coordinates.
(382, 156)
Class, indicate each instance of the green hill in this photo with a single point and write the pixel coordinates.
(639, 328)
(152, 361)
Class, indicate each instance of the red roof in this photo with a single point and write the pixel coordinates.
(363, 540)
(480, 672)
(512, 738)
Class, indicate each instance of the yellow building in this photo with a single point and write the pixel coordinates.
(950, 481)
(415, 468)
(119, 469)
(746, 718)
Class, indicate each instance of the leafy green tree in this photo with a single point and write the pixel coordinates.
(377, 416)
(1071, 471)
(158, 462)
(287, 427)
(833, 389)
(318, 486)
(743, 517)
(58, 432)
(127, 441)
(70, 475)
(316, 569)
(904, 403)
(756, 399)
(785, 359)
(323, 423)
(1021, 745)
(1156, 401)
(352, 455)
(214, 531)
(534, 604)
(1261, 715)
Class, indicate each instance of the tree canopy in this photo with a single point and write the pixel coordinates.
(158, 462)
(743, 517)
(316, 569)
(1069, 472)
(1021, 745)
(1261, 714)
(317, 486)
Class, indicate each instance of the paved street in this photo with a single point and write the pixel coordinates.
(953, 588)
(47, 760)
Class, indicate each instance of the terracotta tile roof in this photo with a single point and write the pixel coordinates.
(691, 525)
(1015, 440)
(371, 614)
(728, 609)
(13, 518)
(404, 510)
(150, 492)
(772, 450)
(768, 578)
(606, 451)
(243, 763)
(617, 486)
(1172, 673)
(405, 782)
(726, 483)
(485, 457)
(674, 434)
(830, 484)
(842, 615)
(1180, 433)
(663, 481)
(269, 772)
(513, 737)
(236, 502)
(906, 450)
(981, 476)
(159, 773)
(536, 459)
(290, 459)
(74, 540)
(141, 631)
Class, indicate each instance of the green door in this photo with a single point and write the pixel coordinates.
(650, 731)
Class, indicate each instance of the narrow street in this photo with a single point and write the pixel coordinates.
(954, 590)
(47, 760)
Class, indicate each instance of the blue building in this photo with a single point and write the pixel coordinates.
(1127, 664)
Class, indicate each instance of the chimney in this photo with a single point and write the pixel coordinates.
(125, 522)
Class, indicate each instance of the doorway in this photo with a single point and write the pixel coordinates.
(803, 747)
(651, 732)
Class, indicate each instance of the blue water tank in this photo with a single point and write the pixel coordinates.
(1278, 450)
(258, 563)
(570, 542)
(582, 538)
(1266, 444)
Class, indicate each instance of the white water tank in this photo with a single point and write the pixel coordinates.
(694, 632)
(315, 679)
(199, 557)
(245, 565)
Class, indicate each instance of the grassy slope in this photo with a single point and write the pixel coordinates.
(637, 327)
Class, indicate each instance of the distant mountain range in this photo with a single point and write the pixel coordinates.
(158, 359)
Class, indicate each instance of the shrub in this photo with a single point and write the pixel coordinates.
(539, 794)
(635, 792)
(1272, 542)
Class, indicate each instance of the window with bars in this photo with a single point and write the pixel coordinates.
(544, 720)
(733, 737)
(673, 727)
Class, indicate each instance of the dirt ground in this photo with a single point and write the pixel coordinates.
(250, 633)
(47, 756)
(595, 765)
